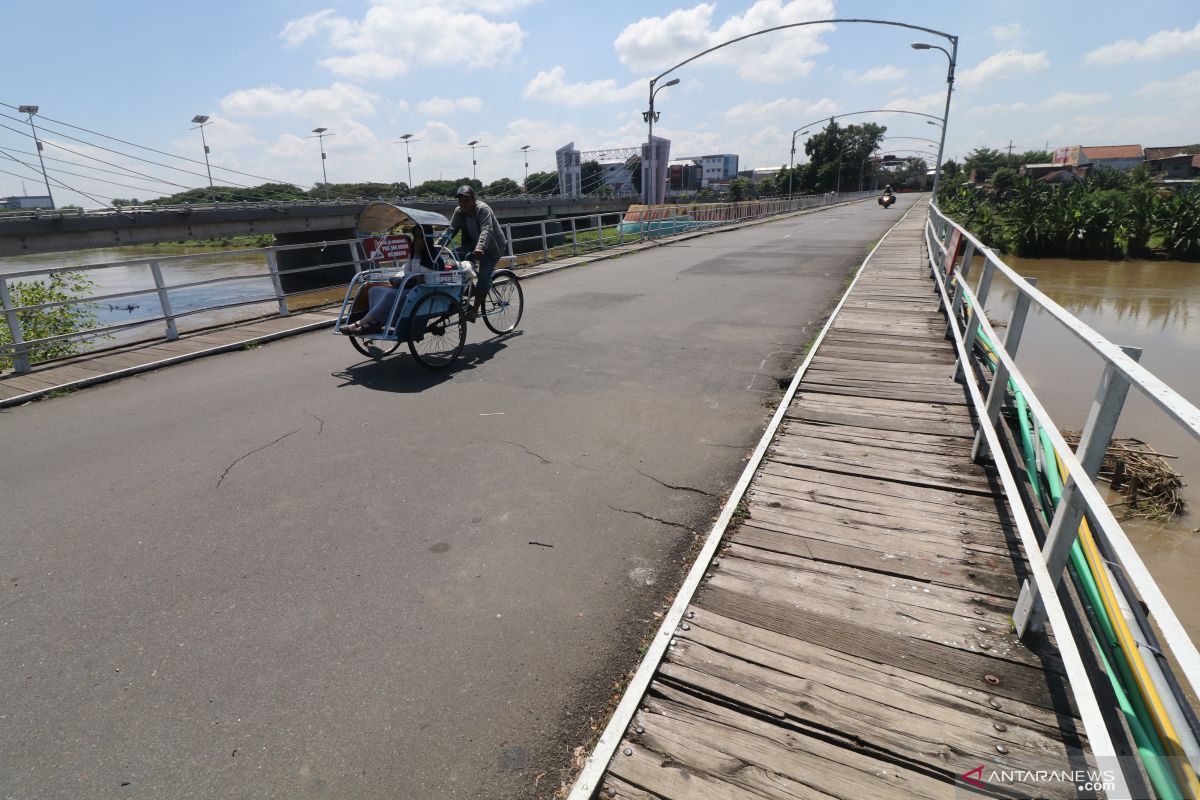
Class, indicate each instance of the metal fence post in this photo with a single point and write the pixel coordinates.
(273, 266)
(1029, 615)
(164, 301)
(964, 272)
(574, 236)
(999, 390)
(977, 311)
(545, 243)
(20, 351)
(620, 230)
(599, 232)
(508, 232)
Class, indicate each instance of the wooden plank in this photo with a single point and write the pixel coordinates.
(899, 441)
(1041, 684)
(893, 726)
(916, 470)
(868, 419)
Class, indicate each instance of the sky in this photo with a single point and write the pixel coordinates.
(542, 73)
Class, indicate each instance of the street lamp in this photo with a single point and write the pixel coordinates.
(31, 110)
(951, 57)
(203, 120)
(525, 150)
(651, 117)
(320, 137)
(473, 144)
(792, 160)
(407, 138)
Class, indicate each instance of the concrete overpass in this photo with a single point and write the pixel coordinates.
(60, 231)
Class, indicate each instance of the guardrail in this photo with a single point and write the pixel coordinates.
(548, 239)
(1078, 530)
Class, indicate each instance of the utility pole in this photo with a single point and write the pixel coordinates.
(31, 110)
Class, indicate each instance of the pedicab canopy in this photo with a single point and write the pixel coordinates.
(383, 217)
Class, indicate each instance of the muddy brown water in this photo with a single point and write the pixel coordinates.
(1154, 305)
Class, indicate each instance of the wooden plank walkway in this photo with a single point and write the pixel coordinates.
(853, 639)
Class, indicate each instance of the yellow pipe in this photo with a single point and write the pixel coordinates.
(1158, 714)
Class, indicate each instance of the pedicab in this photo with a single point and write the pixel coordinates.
(423, 299)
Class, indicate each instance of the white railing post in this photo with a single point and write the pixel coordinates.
(20, 350)
(273, 266)
(599, 232)
(164, 301)
(999, 390)
(574, 236)
(545, 243)
(508, 232)
(1029, 615)
(964, 272)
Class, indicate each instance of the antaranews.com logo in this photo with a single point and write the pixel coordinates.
(1009, 781)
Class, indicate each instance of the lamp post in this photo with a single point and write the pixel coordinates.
(951, 57)
(651, 117)
(473, 144)
(407, 138)
(792, 160)
(320, 137)
(525, 151)
(31, 110)
(203, 120)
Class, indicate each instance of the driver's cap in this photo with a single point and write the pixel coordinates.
(465, 191)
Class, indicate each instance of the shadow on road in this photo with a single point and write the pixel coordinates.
(400, 373)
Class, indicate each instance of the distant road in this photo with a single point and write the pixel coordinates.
(287, 572)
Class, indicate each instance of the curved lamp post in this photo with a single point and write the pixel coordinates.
(801, 130)
(651, 117)
(951, 58)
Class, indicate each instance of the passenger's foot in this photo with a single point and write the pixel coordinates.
(360, 328)
(471, 315)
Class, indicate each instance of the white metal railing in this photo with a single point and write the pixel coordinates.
(1039, 601)
(550, 237)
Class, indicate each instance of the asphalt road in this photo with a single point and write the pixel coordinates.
(288, 572)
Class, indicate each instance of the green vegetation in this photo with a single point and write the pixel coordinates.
(836, 149)
(57, 321)
(1107, 215)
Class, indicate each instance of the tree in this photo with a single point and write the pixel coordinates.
(835, 154)
(739, 189)
(504, 187)
(590, 175)
(542, 183)
(47, 322)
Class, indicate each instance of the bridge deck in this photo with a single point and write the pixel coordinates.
(854, 640)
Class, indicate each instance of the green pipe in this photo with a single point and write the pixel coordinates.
(1149, 747)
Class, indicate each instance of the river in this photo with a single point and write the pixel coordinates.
(1154, 305)
(137, 278)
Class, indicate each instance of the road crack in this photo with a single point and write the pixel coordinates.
(652, 519)
(252, 452)
(318, 419)
(527, 450)
(672, 486)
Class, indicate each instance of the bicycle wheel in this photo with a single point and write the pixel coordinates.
(437, 330)
(505, 302)
(374, 348)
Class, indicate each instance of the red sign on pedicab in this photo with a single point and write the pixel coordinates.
(388, 248)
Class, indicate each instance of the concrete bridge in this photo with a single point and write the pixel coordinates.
(291, 223)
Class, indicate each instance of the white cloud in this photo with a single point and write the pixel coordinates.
(1178, 126)
(932, 103)
(1005, 64)
(383, 45)
(442, 106)
(1158, 45)
(1188, 84)
(782, 108)
(550, 87)
(884, 73)
(1061, 100)
(652, 43)
(1012, 32)
(271, 101)
(998, 108)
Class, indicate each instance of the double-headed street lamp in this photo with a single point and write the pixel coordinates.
(203, 120)
(792, 160)
(320, 137)
(407, 138)
(31, 110)
(951, 57)
(650, 118)
(474, 143)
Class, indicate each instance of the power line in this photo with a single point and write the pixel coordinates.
(57, 171)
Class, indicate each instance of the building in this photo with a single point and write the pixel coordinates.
(29, 201)
(685, 175)
(720, 168)
(617, 177)
(1120, 156)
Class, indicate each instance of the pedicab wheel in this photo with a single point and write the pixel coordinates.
(376, 349)
(504, 303)
(437, 331)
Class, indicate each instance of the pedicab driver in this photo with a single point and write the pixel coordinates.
(482, 236)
